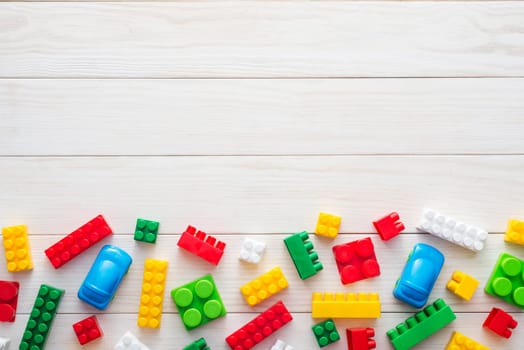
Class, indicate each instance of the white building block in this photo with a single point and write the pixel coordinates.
(457, 232)
(252, 251)
(280, 345)
(130, 342)
(4, 343)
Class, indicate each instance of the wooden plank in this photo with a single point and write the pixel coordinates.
(217, 117)
(262, 39)
(257, 194)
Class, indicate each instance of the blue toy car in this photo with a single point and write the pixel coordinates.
(419, 275)
(104, 277)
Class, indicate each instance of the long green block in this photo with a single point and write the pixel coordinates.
(507, 280)
(422, 325)
(199, 344)
(304, 257)
(41, 318)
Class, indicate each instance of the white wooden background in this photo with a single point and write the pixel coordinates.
(247, 118)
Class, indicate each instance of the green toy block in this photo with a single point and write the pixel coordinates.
(199, 344)
(326, 333)
(146, 230)
(300, 249)
(507, 280)
(41, 318)
(422, 325)
(198, 302)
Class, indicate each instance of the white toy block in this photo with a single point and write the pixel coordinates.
(252, 251)
(4, 343)
(449, 229)
(130, 342)
(280, 345)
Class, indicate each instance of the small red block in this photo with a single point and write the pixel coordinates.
(87, 330)
(389, 226)
(500, 322)
(356, 260)
(8, 300)
(361, 338)
(202, 245)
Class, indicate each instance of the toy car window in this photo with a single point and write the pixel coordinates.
(107, 276)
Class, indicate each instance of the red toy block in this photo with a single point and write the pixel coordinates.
(87, 330)
(500, 322)
(361, 338)
(8, 300)
(78, 241)
(356, 260)
(199, 243)
(260, 327)
(389, 226)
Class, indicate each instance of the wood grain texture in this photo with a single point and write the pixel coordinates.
(262, 39)
(257, 117)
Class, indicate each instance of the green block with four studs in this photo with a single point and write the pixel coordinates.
(146, 230)
(326, 333)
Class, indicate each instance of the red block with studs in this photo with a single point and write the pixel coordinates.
(356, 260)
(87, 330)
(8, 300)
(361, 338)
(260, 327)
(389, 226)
(199, 243)
(500, 322)
(78, 241)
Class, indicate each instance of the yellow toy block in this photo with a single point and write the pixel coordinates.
(459, 341)
(345, 305)
(462, 285)
(515, 232)
(328, 225)
(153, 285)
(17, 249)
(264, 286)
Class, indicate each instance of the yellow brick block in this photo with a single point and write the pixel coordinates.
(462, 284)
(345, 305)
(264, 286)
(153, 285)
(459, 341)
(328, 225)
(17, 249)
(515, 232)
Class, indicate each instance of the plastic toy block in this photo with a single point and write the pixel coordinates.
(153, 285)
(8, 300)
(439, 225)
(198, 302)
(361, 338)
(500, 322)
(259, 328)
(507, 280)
(252, 251)
(87, 330)
(41, 318)
(462, 285)
(345, 305)
(199, 344)
(300, 249)
(459, 341)
(328, 225)
(356, 260)
(17, 249)
(78, 241)
(202, 245)
(4, 343)
(130, 342)
(264, 286)
(280, 345)
(515, 232)
(146, 230)
(422, 325)
(325, 333)
(389, 226)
